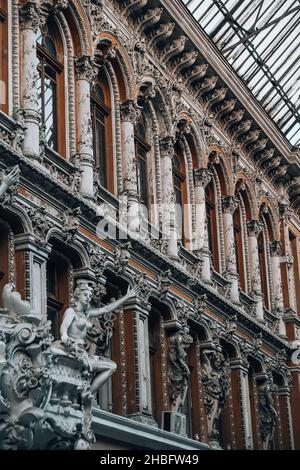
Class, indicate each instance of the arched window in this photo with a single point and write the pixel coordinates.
(101, 121)
(239, 246)
(50, 89)
(142, 149)
(212, 230)
(263, 251)
(3, 56)
(180, 193)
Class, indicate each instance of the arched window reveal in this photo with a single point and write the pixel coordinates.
(212, 224)
(239, 246)
(265, 264)
(50, 90)
(142, 152)
(102, 142)
(180, 192)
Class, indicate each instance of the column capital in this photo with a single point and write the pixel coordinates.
(254, 227)
(129, 111)
(202, 176)
(275, 248)
(229, 204)
(285, 211)
(166, 145)
(30, 16)
(85, 69)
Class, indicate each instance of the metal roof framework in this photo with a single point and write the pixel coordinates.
(261, 41)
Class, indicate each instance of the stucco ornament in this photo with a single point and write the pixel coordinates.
(25, 354)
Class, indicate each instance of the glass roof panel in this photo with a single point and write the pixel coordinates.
(261, 40)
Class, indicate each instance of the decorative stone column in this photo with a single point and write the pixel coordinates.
(241, 400)
(35, 258)
(130, 185)
(229, 204)
(275, 249)
(29, 24)
(202, 177)
(254, 228)
(168, 196)
(84, 76)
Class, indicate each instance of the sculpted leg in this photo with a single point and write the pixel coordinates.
(104, 368)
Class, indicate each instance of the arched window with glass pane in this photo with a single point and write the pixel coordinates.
(179, 182)
(3, 56)
(212, 228)
(239, 247)
(263, 242)
(142, 149)
(50, 90)
(102, 138)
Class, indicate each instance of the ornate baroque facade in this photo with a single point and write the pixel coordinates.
(108, 105)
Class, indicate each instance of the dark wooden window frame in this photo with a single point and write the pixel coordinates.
(97, 105)
(142, 145)
(47, 59)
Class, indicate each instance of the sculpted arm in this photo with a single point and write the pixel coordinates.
(114, 305)
(66, 323)
(9, 179)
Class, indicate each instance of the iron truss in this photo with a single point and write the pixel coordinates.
(261, 40)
